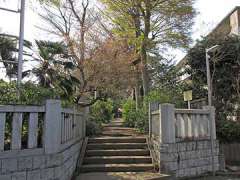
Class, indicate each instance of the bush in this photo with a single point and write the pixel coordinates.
(135, 118)
(139, 118)
(142, 120)
(129, 113)
(228, 131)
(165, 96)
(102, 111)
(93, 128)
(31, 94)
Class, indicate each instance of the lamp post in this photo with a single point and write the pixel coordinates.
(211, 49)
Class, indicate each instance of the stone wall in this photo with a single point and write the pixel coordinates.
(37, 165)
(185, 159)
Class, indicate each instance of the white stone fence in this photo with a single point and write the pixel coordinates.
(50, 127)
(176, 125)
(40, 142)
(183, 141)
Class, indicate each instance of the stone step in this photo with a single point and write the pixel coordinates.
(116, 146)
(114, 125)
(117, 168)
(122, 152)
(117, 140)
(118, 160)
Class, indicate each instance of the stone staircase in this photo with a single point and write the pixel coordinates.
(119, 151)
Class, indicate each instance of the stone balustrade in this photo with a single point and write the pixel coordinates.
(40, 142)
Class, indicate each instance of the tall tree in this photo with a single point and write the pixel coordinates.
(157, 23)
(70, 21)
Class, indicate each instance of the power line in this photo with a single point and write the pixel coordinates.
(10, 10)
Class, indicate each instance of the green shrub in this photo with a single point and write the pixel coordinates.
(31, 94)
(141, 122)
(93, 128)
(228, 131)
(102, 111)
(165, 96)
(129, 113)
(135, 118)
(139, 118)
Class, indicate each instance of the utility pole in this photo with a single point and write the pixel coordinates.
(209, 78)
(212, 49)
(21, 42)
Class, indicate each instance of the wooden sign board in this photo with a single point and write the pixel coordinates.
(187, 95)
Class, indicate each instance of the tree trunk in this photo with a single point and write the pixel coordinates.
(144, 71)
(137, 24)
(137, 93)
(147, 26)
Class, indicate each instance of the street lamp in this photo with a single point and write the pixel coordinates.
(211, 49)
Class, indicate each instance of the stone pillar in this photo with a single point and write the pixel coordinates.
(167, 125)
(52, 127)
(86, 117)
(149, 120)
(212, 121)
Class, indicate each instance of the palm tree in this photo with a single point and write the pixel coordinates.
(8, 54)
(55, 67)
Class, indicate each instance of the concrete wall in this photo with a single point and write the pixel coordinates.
(185, 159)
(36, 165)
(53, 159)
(184, 144)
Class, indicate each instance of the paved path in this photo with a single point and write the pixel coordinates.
(117, 129)
(118, 176)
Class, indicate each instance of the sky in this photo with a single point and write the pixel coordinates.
(210, 13)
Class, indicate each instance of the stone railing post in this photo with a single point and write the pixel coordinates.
(212, 121)
(167, 125)
(52, 127)
(149, 120)
(212, 124)
(86, 117)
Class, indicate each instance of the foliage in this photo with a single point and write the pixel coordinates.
(224, 65)
(228, 131)
(149, 24)
(31, 94)
(142, 119)
(93, 128)
(55, 67)
(135, 118)
(165, 96)
(102, 111)
(8, 52)
(109, 70)
(129, 113)
(7, 49)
